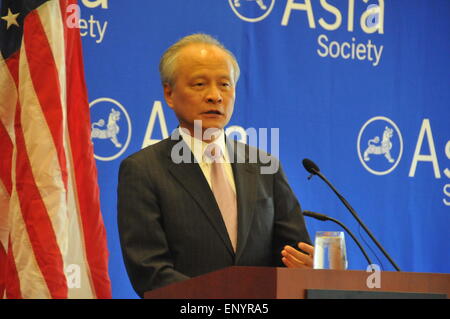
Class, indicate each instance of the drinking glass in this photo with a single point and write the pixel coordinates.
(330, 251)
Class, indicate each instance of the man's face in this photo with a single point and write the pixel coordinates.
(203, 88)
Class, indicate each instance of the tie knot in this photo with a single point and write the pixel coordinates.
(213, 153)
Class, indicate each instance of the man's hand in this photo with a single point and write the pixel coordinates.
(293, 258)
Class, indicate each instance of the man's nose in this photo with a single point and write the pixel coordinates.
(214, 95)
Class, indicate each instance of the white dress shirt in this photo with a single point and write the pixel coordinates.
(198, 149)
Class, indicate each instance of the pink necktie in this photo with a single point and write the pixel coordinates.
(223, 192)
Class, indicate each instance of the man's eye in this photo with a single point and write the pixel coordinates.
(198, 84)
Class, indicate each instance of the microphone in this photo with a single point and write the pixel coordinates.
(312, 168)
(325, 218)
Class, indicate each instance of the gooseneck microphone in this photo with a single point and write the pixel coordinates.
(323, 217)
(313, 169)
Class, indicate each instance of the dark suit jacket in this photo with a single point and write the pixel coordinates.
(171, 227)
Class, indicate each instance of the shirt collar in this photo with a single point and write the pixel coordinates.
(198, 146)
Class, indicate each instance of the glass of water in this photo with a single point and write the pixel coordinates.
(330, 251)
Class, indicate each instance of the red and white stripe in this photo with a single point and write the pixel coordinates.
(50, 215)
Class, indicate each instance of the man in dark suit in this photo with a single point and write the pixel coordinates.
(197, 201)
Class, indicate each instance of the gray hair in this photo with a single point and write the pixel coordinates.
(167, 65)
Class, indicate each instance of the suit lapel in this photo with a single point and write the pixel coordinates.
(191, 177)
(245, 181)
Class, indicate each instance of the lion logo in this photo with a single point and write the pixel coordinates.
(111, 130)
(383, 149)
(370, 145)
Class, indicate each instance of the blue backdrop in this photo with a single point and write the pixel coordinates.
(362, 87)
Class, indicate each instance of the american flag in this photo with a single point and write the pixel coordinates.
(52, 236)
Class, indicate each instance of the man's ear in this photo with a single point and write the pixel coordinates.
(168, 94)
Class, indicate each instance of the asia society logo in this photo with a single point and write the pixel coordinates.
(380, 145)
(110, 128)
(252, 10)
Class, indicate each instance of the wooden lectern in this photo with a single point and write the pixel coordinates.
(285, 283)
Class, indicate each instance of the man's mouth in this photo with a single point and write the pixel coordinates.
(213, 112)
